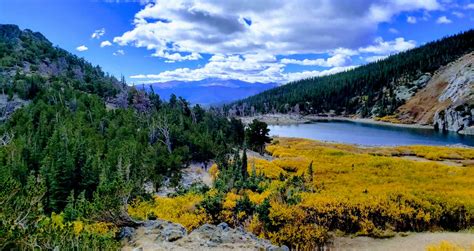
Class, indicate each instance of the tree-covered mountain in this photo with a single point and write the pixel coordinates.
(209, 91)
(79, 144)
(26, 57)
(373, 90)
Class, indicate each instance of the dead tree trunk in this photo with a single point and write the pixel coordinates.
(160, 131)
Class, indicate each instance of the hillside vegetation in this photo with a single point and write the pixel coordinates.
(85, 144)
(373, 90)
(312, 190)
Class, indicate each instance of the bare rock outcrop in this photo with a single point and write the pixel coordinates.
(9, 106)
(447, 99)
(164, 235)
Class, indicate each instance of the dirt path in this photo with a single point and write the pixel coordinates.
(414, 241)
(196, 173)
(445, 162)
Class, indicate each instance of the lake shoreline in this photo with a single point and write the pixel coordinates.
(294, 119)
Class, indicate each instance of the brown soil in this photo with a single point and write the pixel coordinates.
(414, 241)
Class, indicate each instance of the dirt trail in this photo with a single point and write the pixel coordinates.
(444, 162)
(414, 241)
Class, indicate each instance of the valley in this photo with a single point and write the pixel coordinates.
(233, 129)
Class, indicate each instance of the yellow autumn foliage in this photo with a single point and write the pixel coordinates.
(389, 118)
(79, 227)
(446, 246)
(214, 171)
(180, 209)
(269, 169)
(356, 190)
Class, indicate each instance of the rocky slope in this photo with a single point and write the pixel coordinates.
(164, 235)
(447, 99)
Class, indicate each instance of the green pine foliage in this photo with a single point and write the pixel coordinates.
(68, 157)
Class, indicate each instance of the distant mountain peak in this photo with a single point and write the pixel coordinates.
(209, 91)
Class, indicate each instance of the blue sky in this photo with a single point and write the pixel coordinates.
(255, 41)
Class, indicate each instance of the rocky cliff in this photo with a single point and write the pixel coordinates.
(447, 100)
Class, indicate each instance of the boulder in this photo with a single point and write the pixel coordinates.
(126, 233)
(452, 119)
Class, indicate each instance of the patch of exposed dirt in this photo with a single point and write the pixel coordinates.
(414, 241)
(444, 162)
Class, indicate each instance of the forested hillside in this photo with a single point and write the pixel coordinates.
(373, 90)
(80, 144)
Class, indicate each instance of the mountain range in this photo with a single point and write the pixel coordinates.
(210, 91)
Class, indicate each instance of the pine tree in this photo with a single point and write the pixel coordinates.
(244, 165)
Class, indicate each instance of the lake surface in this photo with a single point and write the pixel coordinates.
(369, 134)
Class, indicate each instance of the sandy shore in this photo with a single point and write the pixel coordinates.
(289, 119)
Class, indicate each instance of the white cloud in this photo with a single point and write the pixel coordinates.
(244, 38)
(336, 60)
(251, 68)
(375, 58)
(119, 53)
(98, 33)
(264, 67)
(443, 20)
(82, 48)
(382, 47)
(411, 19)
(173, 57)
(469, 6)
(186, 27)
(105, 43)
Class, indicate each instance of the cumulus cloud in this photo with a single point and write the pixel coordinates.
(382, 47)
(264, 67)
(98, 33)
(184, 26)
(105, 43)
(82, 48)
(119, 53)
(244, 38)
(251, 68)
(443, 20)
(173, 57)
(336, 60)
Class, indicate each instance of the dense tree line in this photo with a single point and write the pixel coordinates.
(362, 89)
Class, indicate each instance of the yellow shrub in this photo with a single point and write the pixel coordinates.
(444, 246)
(214, 171)
(269, 169)
(100, 228)
(78, 226)
(389, 119)
(180, 209)
(366, 191)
